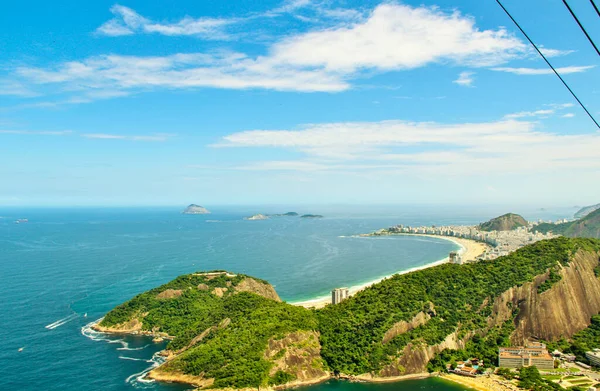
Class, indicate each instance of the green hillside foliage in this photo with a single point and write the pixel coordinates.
(234, 355)
(586, 227)
(506, 222)
(457, 299)
(352, 331)
(583, 341)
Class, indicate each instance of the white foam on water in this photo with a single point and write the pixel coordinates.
(128, 348)
(60, 322)
(138, 378)
(133, 359)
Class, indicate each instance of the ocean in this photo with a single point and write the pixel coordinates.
(65, 268)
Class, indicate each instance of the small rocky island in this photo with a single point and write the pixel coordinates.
(257, 217)
(194, 209)
(311, 216)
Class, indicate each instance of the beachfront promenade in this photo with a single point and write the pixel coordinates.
(498, 243)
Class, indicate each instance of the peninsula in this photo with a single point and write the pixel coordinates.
(194, 209)
(230, 330)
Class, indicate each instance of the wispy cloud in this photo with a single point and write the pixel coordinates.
(465, 79)
(38, 133)
(544, 71)
(568, 115)
(158, 137)
(107, 136)
(128, 22)
(438, 149)
(391, 37)
(526, 114)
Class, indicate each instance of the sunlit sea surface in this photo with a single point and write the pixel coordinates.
(65, 268)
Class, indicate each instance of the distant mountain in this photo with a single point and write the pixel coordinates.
(311, 216)
(194, 209)
(586, 210)
(586, 227)
(506, 222)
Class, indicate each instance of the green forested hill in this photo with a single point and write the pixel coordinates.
(586, 227)
(240, 326)
(352, 332)
(506, 222)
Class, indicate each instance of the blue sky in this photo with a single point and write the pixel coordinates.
(299, 101)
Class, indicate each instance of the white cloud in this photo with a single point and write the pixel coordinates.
(555, 52)
(525, 114)
(396, 36)
(506, 146)
(222, 70)
(465, 79)
(107, 136)
(544, 71)
(39, 133)
(568, 115)
(391, 37)
(127, 22)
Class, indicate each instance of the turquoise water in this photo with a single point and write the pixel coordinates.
(66, 264)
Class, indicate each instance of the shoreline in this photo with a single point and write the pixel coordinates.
(469, 249)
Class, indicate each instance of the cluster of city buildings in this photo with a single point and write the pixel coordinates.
(500, 242)
(532, 354)
(468, 368)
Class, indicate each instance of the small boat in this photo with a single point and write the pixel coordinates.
(19, 221)
(85, 315)
(21, 349)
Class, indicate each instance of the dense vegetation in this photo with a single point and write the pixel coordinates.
(484, 348)
(506, 222)
(455, 296)
(583, 341)
(234, 355)
(587, 227)
(237, 326)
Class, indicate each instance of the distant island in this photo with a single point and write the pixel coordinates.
(506, 222)
(261, 216)
(586, 210)
(288, 214)
(194, 209)
(257, 217)
(231, 331)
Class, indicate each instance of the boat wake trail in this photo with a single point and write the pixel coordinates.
(60, 322)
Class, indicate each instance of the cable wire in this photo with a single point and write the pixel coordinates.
(548, 62)
(581, 26)
(595, 7)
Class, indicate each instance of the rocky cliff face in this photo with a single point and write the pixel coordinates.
(560, 311)
(299, 354)
(253, 286)
(563, 310)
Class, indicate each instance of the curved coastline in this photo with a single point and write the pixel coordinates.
(468, 248)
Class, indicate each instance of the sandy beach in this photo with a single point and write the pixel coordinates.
(482, 383)
(469, 249)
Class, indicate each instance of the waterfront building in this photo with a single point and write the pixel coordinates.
(594, 357)
(455, 257)
(532, 354)
(338, 295)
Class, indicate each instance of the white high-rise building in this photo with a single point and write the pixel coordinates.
(338, 295)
